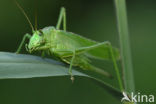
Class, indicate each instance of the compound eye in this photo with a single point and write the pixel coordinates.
(41, 31)
(40, 34)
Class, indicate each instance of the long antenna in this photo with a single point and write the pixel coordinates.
(35, 14)
(22, 10)
(35, 20)
(35, 17)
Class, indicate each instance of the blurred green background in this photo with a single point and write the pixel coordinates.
(92, 19)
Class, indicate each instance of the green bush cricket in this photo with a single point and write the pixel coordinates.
(68, 47)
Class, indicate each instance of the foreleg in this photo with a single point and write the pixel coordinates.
(26, 36)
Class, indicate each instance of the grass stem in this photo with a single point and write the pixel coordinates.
(125, 45)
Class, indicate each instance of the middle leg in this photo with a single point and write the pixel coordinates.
(62, 16)
(70, 67)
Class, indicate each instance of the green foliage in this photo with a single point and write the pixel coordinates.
(13, 66)
(21, 66)
(28, 66)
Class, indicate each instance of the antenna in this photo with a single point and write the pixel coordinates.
(35, 20)
(22, 10)
(35, 16)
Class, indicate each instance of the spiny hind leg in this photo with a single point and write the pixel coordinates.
(84, 49)
(26, 36)
(62, 16)
(116, 66)
(112, 56)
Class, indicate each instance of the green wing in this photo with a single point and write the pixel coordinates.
(101, 52)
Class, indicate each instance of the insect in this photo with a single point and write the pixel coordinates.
(68, 47)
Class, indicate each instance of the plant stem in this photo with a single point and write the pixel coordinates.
(125, 45)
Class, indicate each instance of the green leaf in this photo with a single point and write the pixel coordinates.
(28, 66)
(13, 66)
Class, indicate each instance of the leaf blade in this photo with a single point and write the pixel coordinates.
(19, 66)
(27, 66)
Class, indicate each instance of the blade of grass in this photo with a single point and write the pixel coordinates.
(18, 66)
(125, 45)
